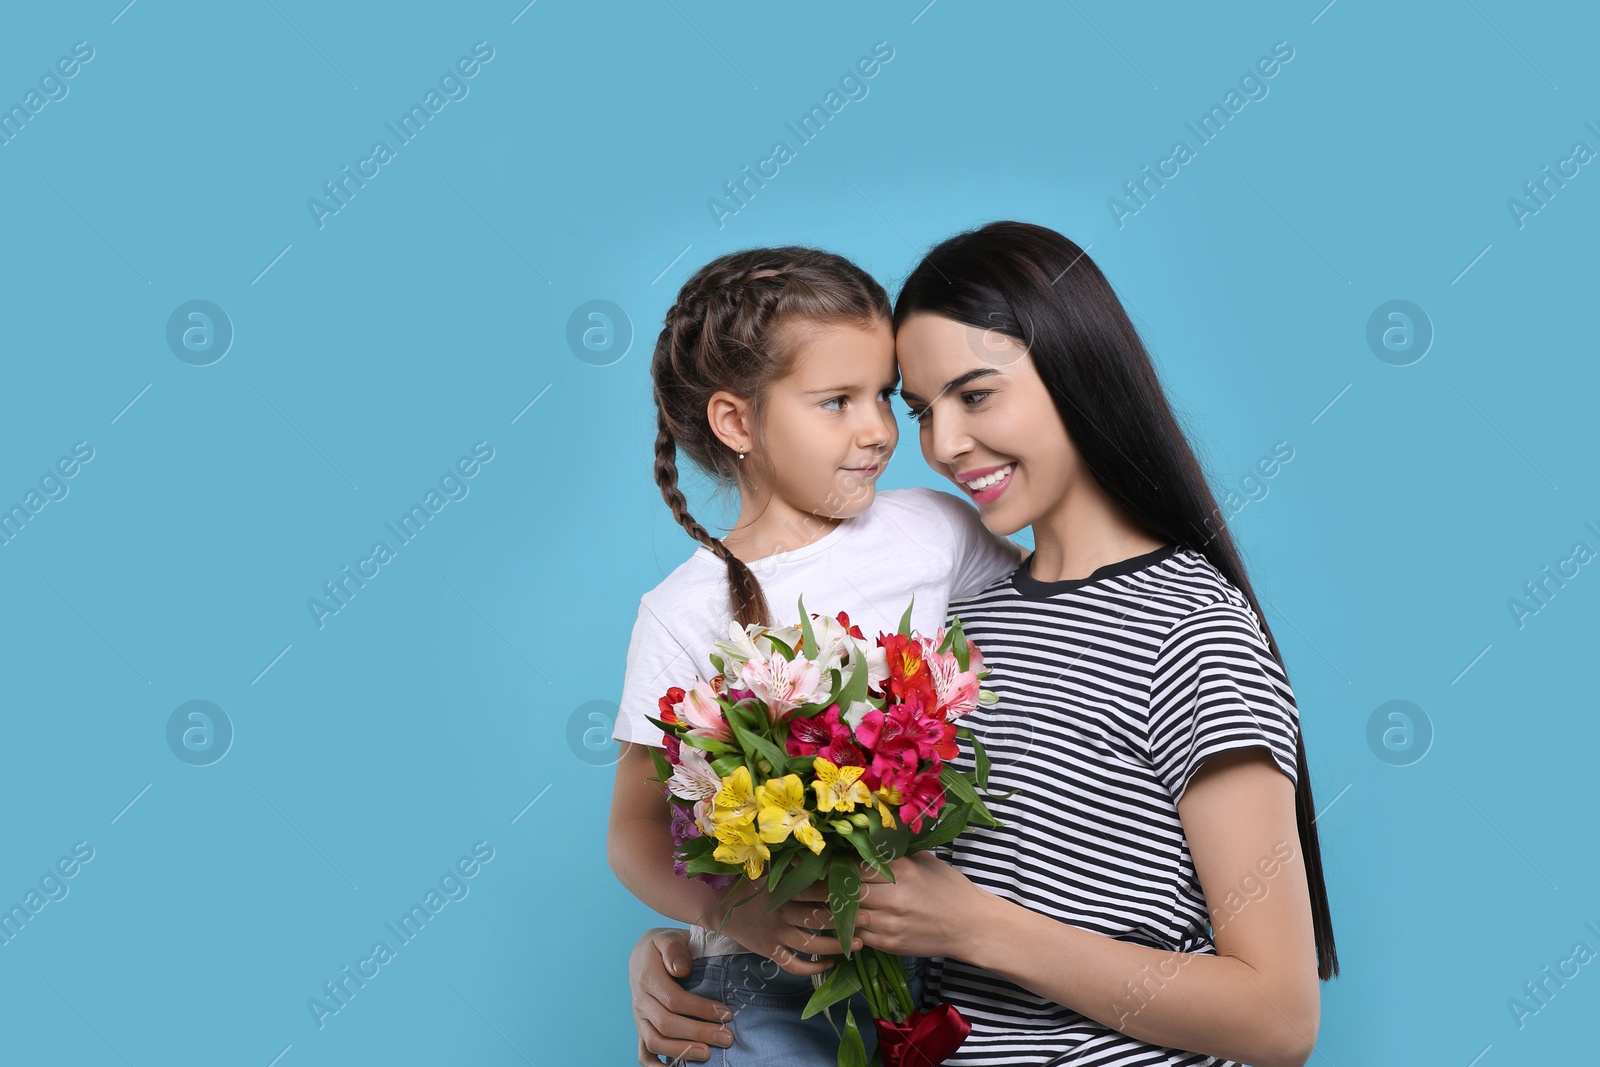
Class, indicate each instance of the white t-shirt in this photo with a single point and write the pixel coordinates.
(914, 542)
(910, 543)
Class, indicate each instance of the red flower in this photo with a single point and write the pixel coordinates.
(924, 798)
(908, 671)
(674, 696)
(673, 745)
(825, 735)
(853, 631)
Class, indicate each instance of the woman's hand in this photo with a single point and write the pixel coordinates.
(668, 1017)
(928, 910)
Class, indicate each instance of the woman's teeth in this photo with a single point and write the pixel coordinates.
(989, 479)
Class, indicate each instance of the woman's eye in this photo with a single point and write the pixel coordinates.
(975, 396)
(915, 414)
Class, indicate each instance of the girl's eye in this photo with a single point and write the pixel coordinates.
(888, 393)
(840, 399)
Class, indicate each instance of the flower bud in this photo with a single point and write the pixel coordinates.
(766, 767)
(844, 826)
(859, 818)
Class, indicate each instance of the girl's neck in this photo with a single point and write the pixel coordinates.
(1086, 531)
(763, 531)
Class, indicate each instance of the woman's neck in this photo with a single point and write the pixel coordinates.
(1085, 532)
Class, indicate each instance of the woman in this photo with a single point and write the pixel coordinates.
(1155, 893)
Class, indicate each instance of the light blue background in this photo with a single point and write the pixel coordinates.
(432, 310)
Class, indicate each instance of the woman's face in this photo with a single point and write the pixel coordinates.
(982, 410)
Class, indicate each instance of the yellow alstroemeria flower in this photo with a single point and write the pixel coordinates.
(882, 798)
(735, 802)
(783, 811)
(738, 842)
(838, 788)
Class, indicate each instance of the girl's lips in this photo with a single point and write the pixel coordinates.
(992, 493)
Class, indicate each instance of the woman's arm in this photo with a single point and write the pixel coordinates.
(668, 1016)
(1256, 1001)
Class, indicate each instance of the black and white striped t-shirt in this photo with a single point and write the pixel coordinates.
(1113, 690)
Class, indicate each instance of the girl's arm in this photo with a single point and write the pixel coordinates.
(1256, 1001)
(639, 848)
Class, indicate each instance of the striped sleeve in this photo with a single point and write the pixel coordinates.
(1216, 687)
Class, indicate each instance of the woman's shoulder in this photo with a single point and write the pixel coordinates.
(1197, 591)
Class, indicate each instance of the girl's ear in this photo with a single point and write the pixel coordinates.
(729, 418)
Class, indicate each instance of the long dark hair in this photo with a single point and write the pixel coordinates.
(730, 329)
(1033, 284)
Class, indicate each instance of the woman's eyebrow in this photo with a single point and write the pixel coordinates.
(955, 383)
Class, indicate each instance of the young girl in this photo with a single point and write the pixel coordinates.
(1154, 895)
(773, 374)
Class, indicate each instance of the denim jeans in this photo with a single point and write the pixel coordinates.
(766, 1001)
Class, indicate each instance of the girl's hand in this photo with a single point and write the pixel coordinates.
(928, 910)
(668, 1016)
(785, 942)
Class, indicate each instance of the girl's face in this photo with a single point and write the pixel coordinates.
(985, 416)
(827, 427)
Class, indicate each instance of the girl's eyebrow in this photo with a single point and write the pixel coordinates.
(894, 381)
(955, 383)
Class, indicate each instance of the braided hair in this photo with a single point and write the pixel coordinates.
(730, 330)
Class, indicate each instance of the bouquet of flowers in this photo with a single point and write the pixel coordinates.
(808, 754)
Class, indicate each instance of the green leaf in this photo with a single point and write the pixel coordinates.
(869, 852)
(890, 843)
(841, 983)
(805, 872)
(707, 865)
(707, 744)
(778, 866)
(726, 765)
(958, 638)
(905, 620)
(716, 661)
(956, 783)
(808, 639)
(947, 829)
(663, 767)
(774, 754)
(856, 688)
(844, 897)
(852, 1051)
(980, 756)
(788, 653)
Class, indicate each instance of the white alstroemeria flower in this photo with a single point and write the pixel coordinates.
(702, 817)
(739, 647)
(693, 778)
(856, 712)
(781, 684)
